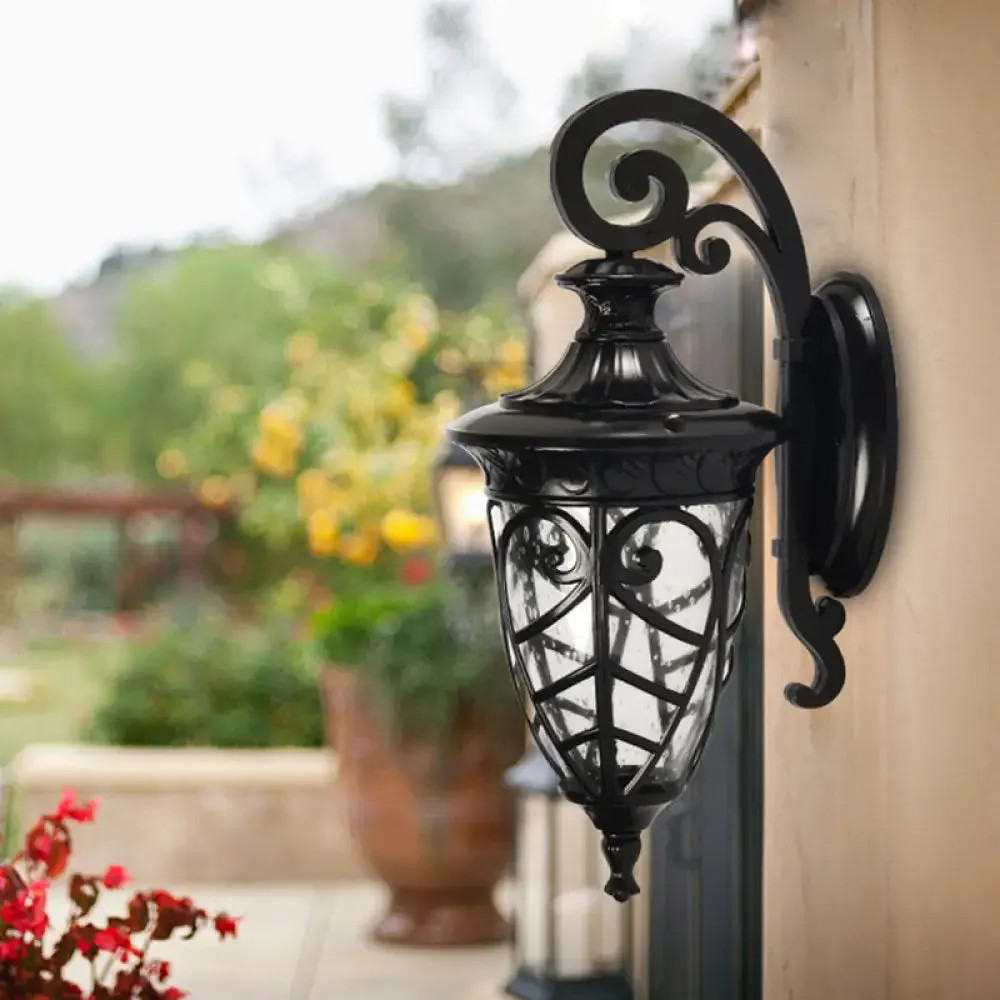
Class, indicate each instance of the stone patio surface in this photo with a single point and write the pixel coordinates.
(301, 942)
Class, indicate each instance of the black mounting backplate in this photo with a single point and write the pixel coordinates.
(856, 427)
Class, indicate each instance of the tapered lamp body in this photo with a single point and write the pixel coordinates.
(620, 490)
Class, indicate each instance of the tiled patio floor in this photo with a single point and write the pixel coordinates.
(310, 943)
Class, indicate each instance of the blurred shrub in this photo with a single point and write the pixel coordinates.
(210, 683)
(421, 657)
(78, 559)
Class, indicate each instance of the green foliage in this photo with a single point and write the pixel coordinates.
(415, 651)
(207, 683)
(215, 315)
(77, 561)
(208, 305)
(347, 628)
(45, 394)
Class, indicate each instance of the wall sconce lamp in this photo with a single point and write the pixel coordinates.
(620, 486)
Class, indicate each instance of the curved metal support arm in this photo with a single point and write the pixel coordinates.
(777, 245)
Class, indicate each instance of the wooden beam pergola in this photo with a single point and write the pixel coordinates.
(102, 503)
(120, 505)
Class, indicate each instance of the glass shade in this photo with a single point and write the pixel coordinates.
(462, 504)
(619, 625)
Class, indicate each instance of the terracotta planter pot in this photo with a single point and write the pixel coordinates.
(433, 823)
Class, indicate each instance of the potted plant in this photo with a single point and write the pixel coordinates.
(424, 727)
(332, 469)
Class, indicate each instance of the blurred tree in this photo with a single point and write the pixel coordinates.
(470, 239)
(460, 122)
(46, 391)
(212, 310)
(601, 73)
(217, 316)
(122, 258)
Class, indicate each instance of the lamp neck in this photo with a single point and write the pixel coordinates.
(619, 295)
(620, 363)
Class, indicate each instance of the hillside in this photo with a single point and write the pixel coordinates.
(464, 242)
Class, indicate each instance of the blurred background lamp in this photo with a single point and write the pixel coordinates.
(461, 502)
(570, 939)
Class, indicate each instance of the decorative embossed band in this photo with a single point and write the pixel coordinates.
(636, 479)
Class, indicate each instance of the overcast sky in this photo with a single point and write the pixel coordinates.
(140, 121)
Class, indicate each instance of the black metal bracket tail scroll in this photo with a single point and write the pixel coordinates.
(837, 391)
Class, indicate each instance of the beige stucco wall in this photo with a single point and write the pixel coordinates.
(188, 815)
(882, 868)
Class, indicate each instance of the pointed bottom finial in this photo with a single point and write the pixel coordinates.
(622, 851)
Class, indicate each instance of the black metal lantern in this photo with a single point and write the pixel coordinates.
(570, 940)
(620, 486)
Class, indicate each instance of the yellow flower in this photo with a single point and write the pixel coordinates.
(405, 531)
(363, 409)
(416, 336)
(171, 464)
(450, 361)
(513, 353)
(394, 356)
(315, 491)
(197, 375)
(301, 349)
(270, 457)
(400, 398)
(420, 309)
(312, 484)
(323, 534)
(277, 425)
(214, 491)
(504, 378)
(229, 399)
(360, 548)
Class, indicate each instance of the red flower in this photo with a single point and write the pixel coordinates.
(159, 970)
(12, 949)
(226, 925)
(416, 571)
(38, 846)
(85, 947)
(114, 939)
(31, 961)
(25, 913)
(116, 877)
(69, 808)
(167, 902)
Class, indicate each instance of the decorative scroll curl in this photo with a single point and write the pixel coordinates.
(777, 244)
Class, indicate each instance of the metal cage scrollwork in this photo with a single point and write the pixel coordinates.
(620, 700)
